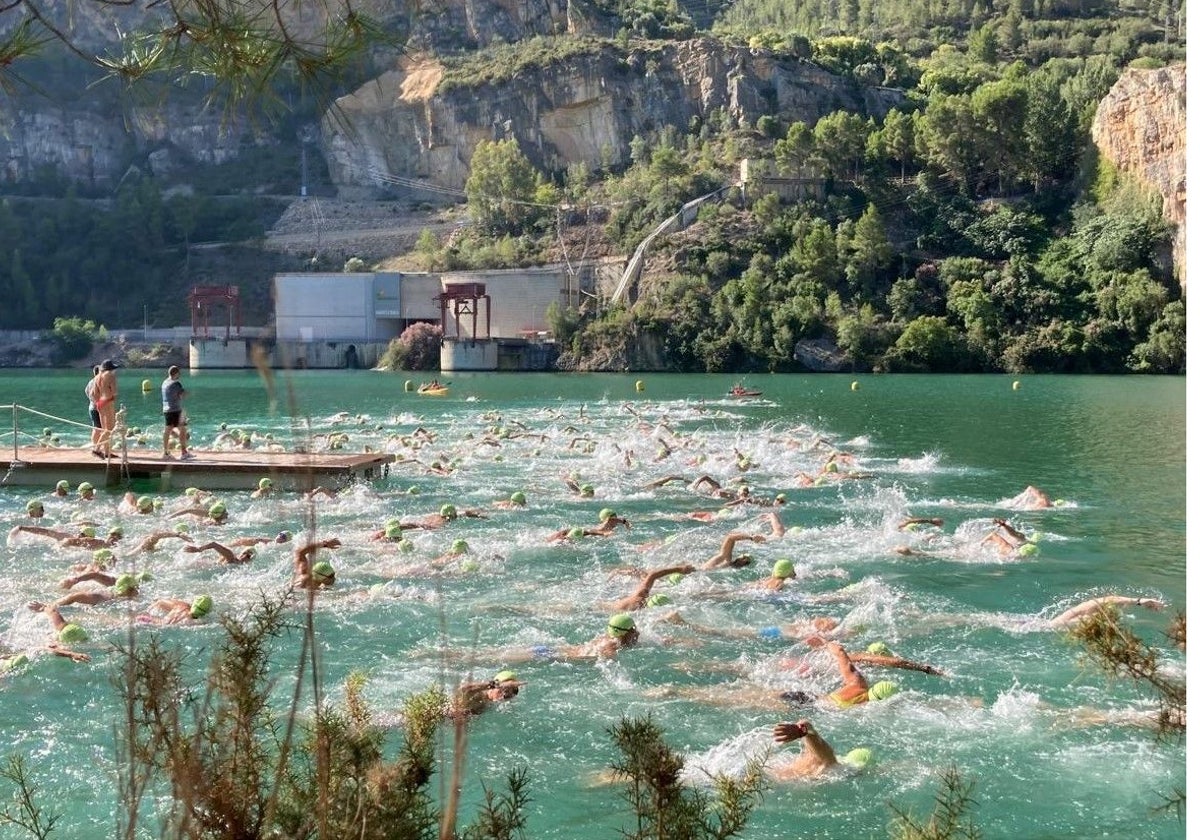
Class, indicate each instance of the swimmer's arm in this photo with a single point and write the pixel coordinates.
(1004, 523)
(845, 666)
(777, 529)
(659, 574)
(895, 662)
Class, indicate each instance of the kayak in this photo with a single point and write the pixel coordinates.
(434, 392)
(744, 392)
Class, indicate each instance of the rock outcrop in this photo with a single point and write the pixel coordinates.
(420, 122)
(1141, 126)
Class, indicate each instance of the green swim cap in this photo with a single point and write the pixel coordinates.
(393, 532)
(393, 521)
(517, 498)
(216, 510)
(145, 504)
(265, 484)
(657, 600)
(587, 490)
(72, 633)
(448, 511)
(780, 498)
(202, 606)
(606, 514)
(87, 531)
(322, 572)
(831, 467)
(1035, 537)
(1027, 550)
(181, 527)
(912, 526)
(102, 556)
(575, 533)
(158, 503)
(116, 531)
(882, 690)
(125, 584)
(14, 662)
(413, 491)
(406, 546)
(34, 504)
(63, 486)
(675, 577)
(879, 648)
(783, 569)
(142, 577)
(1059, 502)
(85, 487)
(458, 547)
(284, 536)
(857, 757)
(505, 676)
(192, 491)
(620, 624)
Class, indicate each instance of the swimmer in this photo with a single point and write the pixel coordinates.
(86, 538)
(1031, 498)
(279, 539)
(228, 555)
(638, 598)
(309, 575)
(62, 489)
(781, 573)
(815, 631)
(150, 542)
(910, 523)
(474, 698)
(725, 559)
(816, 756)
(1094, 605)
(1005, 537)
(35, 509)
(65, 633)
(118, 586)
(446, 514)
(214, 514)
(132, 503)
(86, 491)
(265, 489)
(514, 502)
(320, 492)
(172, 611)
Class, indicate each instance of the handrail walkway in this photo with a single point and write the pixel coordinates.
(118, 432)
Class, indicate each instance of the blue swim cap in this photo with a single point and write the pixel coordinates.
(770, 633)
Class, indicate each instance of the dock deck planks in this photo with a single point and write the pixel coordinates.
(210, 470)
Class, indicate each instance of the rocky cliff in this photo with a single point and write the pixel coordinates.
(1141, 126)
(422, 121)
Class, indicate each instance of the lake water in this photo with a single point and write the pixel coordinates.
(1011, 713)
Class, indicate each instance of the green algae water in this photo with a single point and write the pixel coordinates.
(1047, 741)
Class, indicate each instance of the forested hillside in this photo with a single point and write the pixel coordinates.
(973, 226)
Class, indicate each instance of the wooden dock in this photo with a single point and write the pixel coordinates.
(35, 466)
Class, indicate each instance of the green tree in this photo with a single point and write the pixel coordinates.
(793, 154)
(928, 343)
(869, 255)
(502, 187)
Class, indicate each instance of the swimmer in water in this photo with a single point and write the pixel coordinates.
(1004, 537)
(119, 586)
(725, 559)
(638, 598)
(214, 514)
(816, 757)
(474, 698)
(1094, 605)
(173, 611)
(151, 541)
(228, 555)
(781, 573)
(310, 575)
(86, 538)
(1031, 498)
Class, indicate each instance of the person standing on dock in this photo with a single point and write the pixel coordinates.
(93, 412)
(173, 393)
(105, 397)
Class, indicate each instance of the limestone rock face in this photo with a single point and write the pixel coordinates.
(417, 123)
(1141, 126)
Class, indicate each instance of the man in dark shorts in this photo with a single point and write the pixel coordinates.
(172, 400)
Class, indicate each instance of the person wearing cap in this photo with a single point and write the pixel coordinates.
(165, 611)
(86, 491)
(637, 599)
(303, 568)
(228, 555)
(514, 502)
(1094, 605)
(216, 513)
(279, 539)
(265, 489)
(105, 397)
(816, 757)
(781, 573)
(150, 542)
(132, 503)
(474, 698)
(173, 393)
(86, 538)
(446, 514)
(1031, 498)
(117, 586)
(35, 509)
(62, 488)
(725, 559)
(1005, 538)
(65, 633)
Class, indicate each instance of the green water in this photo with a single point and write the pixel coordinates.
(1008, 714)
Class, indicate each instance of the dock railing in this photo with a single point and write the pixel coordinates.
(117, 433)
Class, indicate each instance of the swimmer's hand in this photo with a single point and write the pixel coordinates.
(788, 732)
(1151, 603)
(333, 542)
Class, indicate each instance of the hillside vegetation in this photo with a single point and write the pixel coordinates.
(972, 228)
